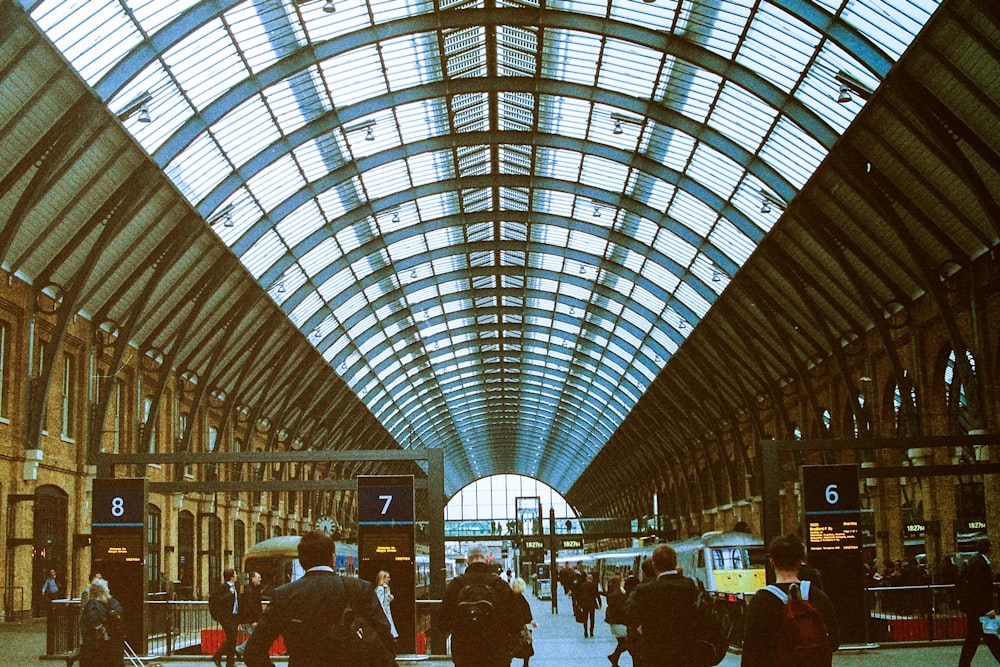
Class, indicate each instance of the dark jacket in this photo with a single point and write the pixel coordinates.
(978, 591)
(587, 596)
(101, 634)
(664, 609)
(764, 617)
(250, 605)
(305, 612)
(616, 608)
(472, 651)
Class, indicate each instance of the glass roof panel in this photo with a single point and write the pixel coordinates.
(649, 223)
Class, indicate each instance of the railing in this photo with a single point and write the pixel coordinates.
(180, 627)
(913, 614)
(172, 627)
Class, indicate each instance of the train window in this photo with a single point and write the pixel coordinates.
(701, 559)
(738, 559)
(757, 557)
(719, 560)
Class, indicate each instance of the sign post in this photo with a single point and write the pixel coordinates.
(118, 549)
(831, 504)
(386, 541)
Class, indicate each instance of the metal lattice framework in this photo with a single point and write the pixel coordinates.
(490, 227)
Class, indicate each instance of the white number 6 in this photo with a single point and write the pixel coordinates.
(832, 495)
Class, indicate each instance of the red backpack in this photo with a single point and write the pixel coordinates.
(805, 640)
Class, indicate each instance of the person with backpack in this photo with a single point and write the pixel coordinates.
(223, 605)
(311, 614)
(975, 598)
(101, 628)
(789, 623)
(478, 611)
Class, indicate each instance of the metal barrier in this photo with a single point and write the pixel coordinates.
(914, 614)
(182, 626)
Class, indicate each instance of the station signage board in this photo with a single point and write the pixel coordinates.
(572, 543)
(385, 501)
(831, 513)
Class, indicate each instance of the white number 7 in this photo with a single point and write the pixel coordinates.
(387, 499)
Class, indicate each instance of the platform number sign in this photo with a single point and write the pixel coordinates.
(119, 502)
(385, 501)
(830, 489)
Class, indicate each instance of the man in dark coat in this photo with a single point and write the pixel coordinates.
(588, 598)
(250, 608)
(229, 620)
(490, 647)
(663, 608)
(307, 611)
(977, 601)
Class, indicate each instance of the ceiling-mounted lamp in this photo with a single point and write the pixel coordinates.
(597, 212)
(849, 87)
(620, 121)
(224, 215)
(768, 200)
(138, 106)
(281, 287)
(329, 7)
(368, 126)
(395, 216)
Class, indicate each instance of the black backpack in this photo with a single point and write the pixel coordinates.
(477, 613)
(355, 637)
(220, 604)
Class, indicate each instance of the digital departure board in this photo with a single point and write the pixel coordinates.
(834, 534)
(118, 546)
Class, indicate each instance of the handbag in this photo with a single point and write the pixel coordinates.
(991, 626)
(523, 643)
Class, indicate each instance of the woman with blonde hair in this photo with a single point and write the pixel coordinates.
(385, 597)
(522, 610)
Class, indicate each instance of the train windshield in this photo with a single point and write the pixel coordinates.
(738, 558)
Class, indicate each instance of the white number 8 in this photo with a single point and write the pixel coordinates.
(117, 506)
(832, 495)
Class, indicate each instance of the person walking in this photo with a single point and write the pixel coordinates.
(525, 647)
(250, 609)
(478, 611)
(224, 605)
(662, 609)
(976, 600)
(101, 628)
(588, 598)
(51, 590)
(305, 611)
(764, 638)
(385, 598)
(614, 616)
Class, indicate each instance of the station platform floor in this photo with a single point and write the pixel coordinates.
(559, 642)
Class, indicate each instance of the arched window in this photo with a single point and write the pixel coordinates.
(260, 533)
(50, 531)
(955, 392)
(154, 548)
(185, 554)
(214, 550)
(239, 542)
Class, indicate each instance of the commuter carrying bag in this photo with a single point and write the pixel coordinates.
(804, 637)
(220, 603)
(710, 629)
(355, 638)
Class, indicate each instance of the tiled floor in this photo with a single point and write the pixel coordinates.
(559, 642)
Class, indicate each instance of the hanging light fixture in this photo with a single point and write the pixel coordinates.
(618, 126)
(370, 134)
(845, 94)
(144, 116)
(765, 206)
(329, 7)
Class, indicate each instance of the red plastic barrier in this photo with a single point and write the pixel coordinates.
(421, 643)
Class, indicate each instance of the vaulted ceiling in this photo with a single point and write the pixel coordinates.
(493, 227)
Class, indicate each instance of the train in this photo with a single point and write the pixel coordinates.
(278, 563)
(726, 562)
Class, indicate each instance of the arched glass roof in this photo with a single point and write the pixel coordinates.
(497, 220)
